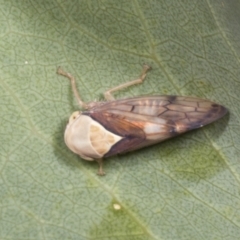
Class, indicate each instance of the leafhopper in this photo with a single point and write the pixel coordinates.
(107, 128)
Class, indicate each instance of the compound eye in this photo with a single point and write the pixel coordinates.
(74, 116)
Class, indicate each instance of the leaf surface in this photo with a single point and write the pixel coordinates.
(184, 188)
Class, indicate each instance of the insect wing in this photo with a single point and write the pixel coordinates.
(133, 135)
(143, 121)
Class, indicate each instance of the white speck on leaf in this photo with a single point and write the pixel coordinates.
(116, 206)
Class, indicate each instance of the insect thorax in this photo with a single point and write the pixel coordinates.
(87, 137)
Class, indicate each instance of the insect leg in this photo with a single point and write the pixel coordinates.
(100, 170)
(60, 71)
(108, 94)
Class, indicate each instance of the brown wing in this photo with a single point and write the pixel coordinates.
(133, 134)
(143, 121)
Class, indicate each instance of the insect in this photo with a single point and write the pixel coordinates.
(111, 127)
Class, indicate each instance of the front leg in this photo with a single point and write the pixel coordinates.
(108, 94)
(82, 104)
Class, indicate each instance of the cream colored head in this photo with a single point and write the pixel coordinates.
(87, 138)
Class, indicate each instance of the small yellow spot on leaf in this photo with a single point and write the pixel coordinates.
(116, 206)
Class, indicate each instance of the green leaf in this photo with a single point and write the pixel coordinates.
(184, 188)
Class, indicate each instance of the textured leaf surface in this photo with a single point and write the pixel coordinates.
(184, 188)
